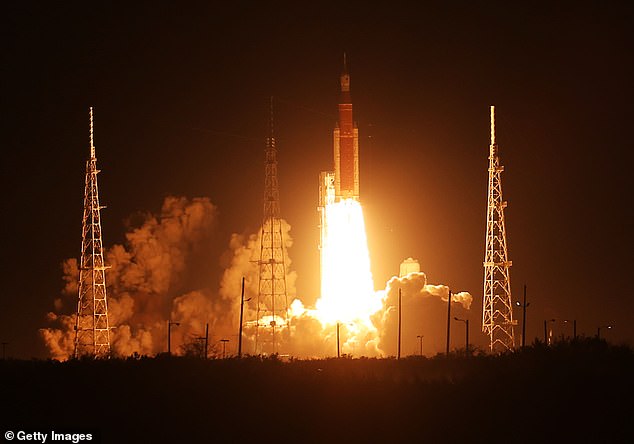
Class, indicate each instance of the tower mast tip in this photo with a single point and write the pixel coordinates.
(492, 125)
(92, 146)
(271, 136)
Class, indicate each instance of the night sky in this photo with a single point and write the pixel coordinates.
(180, 95)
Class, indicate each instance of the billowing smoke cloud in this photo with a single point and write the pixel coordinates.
(147, 284)
(150, 281)
(243, 260)
(424, 312)
(423, 309)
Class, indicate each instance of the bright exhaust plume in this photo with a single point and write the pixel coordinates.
(347, 290)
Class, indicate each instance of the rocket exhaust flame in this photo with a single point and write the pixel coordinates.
(347, 290)
(347, 298)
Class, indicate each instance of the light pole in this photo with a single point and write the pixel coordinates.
(206, 339)
(466, 321)
(524, 304)
(448, 322)
(421, 343)
(609, 327)
(546, 322)
(338, 349)
(224, 347)
(398, 349)
(242, 301)
(574, 327)
(169, 335)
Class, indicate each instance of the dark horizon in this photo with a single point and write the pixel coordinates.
(572, 391)
(180, 97)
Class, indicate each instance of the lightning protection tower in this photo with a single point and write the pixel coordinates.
(92, 331)
(497, 310)
(272, 303)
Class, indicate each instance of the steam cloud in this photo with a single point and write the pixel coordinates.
(422, 312)
(149, 282)
(243, 256)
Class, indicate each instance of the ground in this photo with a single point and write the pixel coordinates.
(579, 390)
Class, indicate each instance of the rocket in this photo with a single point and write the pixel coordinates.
(346, 144)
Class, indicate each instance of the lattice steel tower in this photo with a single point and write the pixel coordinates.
(92, 331)
(497, 310)
(272, 304)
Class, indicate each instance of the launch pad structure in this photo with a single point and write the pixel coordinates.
(272, 301)
(92, 330)
(497, 309)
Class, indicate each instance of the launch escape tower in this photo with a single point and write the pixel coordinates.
(497, 309)
(92, 331)
(272, 303)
